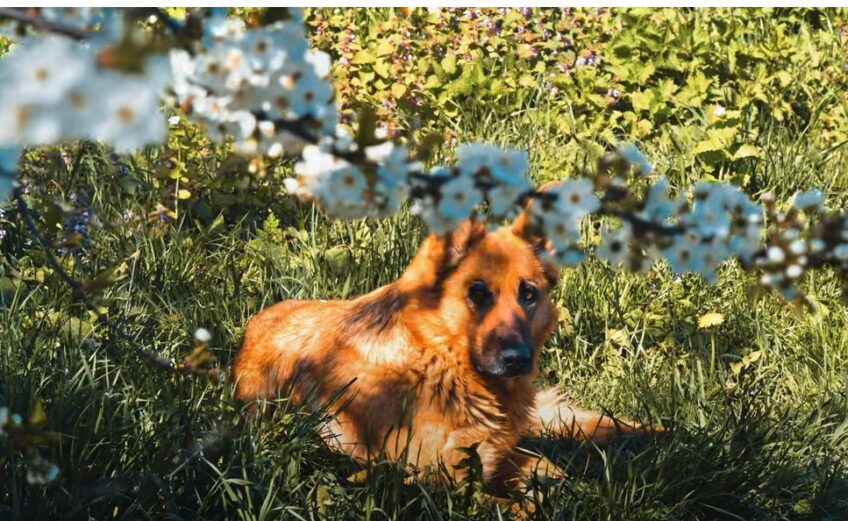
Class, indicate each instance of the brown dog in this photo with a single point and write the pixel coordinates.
(443, 358)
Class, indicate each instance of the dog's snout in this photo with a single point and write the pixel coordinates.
(516, 356)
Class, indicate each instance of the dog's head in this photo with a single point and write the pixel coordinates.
(492, 289)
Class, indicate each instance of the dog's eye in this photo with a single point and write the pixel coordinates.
(479, 294)
(527, 294)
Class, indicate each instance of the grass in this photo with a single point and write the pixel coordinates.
(757, 406)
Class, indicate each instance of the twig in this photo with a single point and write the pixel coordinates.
(77, 290)
(40, 23)
(646, 225)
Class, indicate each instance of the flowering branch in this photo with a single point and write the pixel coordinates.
(40, 23)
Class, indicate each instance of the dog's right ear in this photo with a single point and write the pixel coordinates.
(440, 254)
(525, 226)
(452, 247)
(529, 229)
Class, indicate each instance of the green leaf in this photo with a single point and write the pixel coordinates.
(527, 80)
(449, 64)
(398, 90)
(37, 417)
(385, 48)
(642, 100)
(747, 151)
(381, 68)
(363, 56)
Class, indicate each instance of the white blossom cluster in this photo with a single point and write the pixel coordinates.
(249, 83)
(721, 223)
(482, 171)
(570, 201)
(789, 249)
(55, 91)
(375, 186)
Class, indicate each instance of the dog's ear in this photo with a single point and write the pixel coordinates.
(442, 253)
(524, 225)
(455, 245)
(528, 228)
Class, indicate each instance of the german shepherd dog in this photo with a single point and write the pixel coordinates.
(441, 359)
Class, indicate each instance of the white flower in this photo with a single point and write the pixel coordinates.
(471, 157)
(503, 198)
(811, 200)
(570, 256)
(40, 471)
(436, 222)
(794, 271)
(28, 124)
(314, 169)
(561, 229)
(309, 93)
(683, 255)
(458, 197)
(746, 242)
(131, 115)
(346, 186)
(841, 252)
(576, 197)
(393, 169)
(320, 62)
(613, 247)
(202, 335)
(630, 153)
(658, 207)
(509, 166)
(798, 247)
(719, 111)
(711, 213)
(706, 258)
(217, 27)
(264, 49)
(42, 70)
(775, 255)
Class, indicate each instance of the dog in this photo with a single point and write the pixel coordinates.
(442, 359)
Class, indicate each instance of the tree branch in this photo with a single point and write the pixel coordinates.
(38, 22)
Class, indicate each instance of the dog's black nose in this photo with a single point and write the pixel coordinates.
(516, 357)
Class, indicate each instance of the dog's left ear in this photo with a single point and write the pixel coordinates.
(526, 227)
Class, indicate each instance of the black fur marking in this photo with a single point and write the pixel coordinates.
(380, 313)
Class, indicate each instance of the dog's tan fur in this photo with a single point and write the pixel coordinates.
(413, 348)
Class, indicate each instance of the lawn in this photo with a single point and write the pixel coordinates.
(753, 389)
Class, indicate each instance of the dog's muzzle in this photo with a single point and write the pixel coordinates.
(515, 360)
